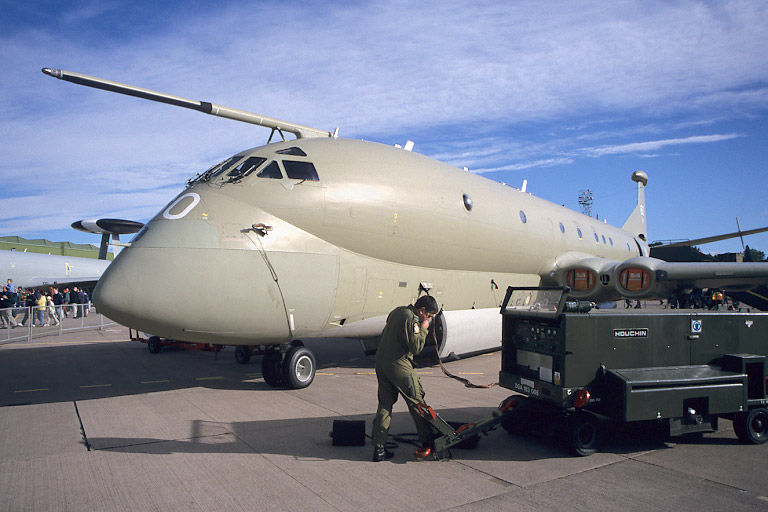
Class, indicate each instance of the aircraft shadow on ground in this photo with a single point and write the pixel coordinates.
(49, 373)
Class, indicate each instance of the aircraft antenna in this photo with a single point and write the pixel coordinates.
(741, 236)
(205, 107)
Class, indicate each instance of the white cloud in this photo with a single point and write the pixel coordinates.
(378, 70)
(655, 145)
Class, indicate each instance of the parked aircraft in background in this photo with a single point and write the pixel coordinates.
(322, 236)
(34, 270)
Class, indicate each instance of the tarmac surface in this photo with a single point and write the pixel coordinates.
(93, 421)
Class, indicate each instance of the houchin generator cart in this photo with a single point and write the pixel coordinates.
(677, 370)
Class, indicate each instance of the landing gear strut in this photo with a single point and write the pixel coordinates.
(294, 369)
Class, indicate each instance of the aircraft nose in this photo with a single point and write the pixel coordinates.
(193, 294)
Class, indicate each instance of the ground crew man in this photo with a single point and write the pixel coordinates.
(403, 337)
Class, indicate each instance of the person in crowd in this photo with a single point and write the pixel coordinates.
(40, 305)
(75, 298)
(28, 300)
(58, 301)
(51, 310)
(66, 299)
(6, 306)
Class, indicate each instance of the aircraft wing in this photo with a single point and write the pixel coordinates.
(726, 276)
(600, 279)
(716, 238)
(59, 281)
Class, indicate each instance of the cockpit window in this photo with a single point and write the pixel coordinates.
(215, 170)
(304, 171)
(294, 151)
(271, 171)
(222, 167)
(247, 167)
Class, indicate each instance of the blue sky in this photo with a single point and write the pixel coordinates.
(566, 95)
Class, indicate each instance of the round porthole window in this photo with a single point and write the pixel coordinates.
(467, 202)
(523, 217)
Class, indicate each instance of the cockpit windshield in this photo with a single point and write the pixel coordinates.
(271, 171)
(244, 169)
(239, 166)
(215, 170)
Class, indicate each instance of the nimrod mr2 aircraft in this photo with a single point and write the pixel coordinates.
(321, 236)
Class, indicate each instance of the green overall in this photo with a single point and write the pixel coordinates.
(401, 339)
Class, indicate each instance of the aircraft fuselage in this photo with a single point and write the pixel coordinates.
(280, 252)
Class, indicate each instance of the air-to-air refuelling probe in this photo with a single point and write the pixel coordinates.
(321, 236)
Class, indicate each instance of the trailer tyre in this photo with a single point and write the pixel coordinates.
(243, 354)
(154, 344)
(751, 426)
(581, 434)
(516, 408)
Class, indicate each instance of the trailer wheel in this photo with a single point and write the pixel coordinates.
(516, 421)
(751, 426)
(243, 354)
(581, 434)
(271, 368)
(154, 344)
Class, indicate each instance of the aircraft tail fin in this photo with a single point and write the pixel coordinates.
(636, 223)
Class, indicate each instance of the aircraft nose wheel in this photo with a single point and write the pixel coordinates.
(271, 367)
(295, 369)
(299, 367)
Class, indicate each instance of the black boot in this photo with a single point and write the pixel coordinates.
(380, 453)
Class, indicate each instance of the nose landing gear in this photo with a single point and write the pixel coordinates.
(291, 366)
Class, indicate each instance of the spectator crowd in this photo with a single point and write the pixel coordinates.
(41, 307)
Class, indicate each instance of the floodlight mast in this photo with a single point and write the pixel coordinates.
(205, 107)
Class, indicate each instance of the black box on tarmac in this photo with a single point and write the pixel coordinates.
(680, 368)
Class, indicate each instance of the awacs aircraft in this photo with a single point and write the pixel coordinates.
(34, 270)
(322, 236)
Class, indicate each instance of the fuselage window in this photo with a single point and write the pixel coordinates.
(523, 217)
(304, 171)
(294, 151)
(597, 239)
(271, 171)
(467, 202)
(562, 228)
(246, 168)
(610, 240)
(603, 238)
(578, 232)
(628, 247)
